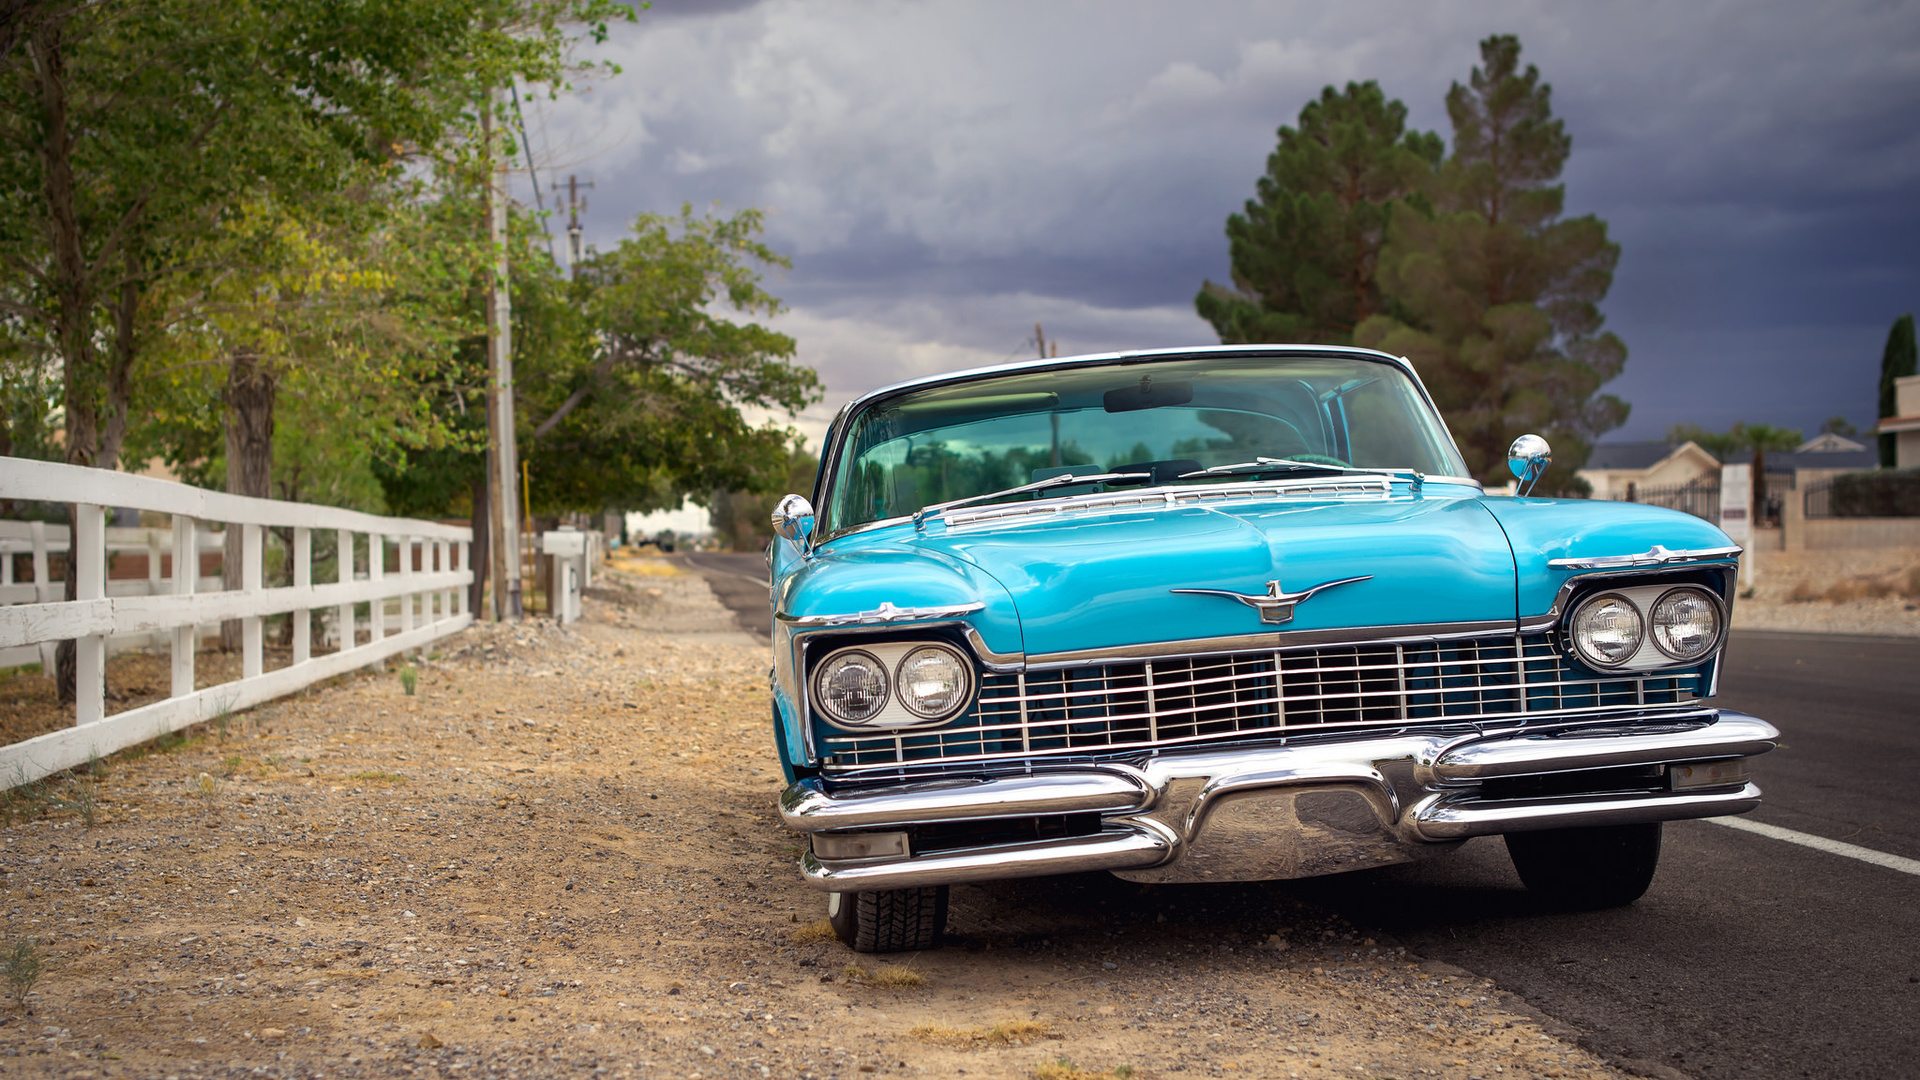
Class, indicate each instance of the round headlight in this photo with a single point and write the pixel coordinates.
(934, 682)
(1686, 624)
(851, 686)
(1607, 630)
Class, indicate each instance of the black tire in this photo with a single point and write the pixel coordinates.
(1587, 869)
(896, 920)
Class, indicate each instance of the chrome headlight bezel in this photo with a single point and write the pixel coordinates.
(1713, 642)
(817, 684)
(889, 651)
(1581, 647)
(1642, 593)
(962, 696)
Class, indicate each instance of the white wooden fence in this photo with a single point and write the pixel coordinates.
(430, 595)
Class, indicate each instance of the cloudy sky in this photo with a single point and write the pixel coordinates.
(944, 175)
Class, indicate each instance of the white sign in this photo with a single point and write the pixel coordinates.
(1736, 502)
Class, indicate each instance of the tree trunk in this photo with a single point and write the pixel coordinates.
(249, 396)
(477, 553)
(72, 288)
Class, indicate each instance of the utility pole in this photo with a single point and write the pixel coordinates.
(502, 455)
(575, 249)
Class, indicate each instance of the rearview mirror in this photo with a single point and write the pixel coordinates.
(1528, 459)
(793, 521)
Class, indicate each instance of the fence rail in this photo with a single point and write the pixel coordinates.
(1701, 498)
(429, 591)
(1877, 494)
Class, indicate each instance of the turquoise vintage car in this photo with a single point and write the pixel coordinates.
(1226, 614)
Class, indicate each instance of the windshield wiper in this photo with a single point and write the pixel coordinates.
(1288, 467)
(1259, 466)
(1038, 485)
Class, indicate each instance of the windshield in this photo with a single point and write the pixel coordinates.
(1166, 418)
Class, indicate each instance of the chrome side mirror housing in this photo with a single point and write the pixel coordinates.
(793, 521)
(1528, 459)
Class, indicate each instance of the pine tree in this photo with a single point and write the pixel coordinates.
(1897, 362)
(1493, 295)
(1304, 252)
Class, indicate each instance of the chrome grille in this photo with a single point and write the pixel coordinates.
(1104, 708)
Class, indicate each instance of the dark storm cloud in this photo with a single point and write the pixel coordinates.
(944, 175)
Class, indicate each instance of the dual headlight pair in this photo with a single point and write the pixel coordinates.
(893, 685)
(1614, 629)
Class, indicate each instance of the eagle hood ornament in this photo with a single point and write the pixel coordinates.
(1277, 605)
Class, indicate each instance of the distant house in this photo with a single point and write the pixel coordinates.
(1828, 443)
(1904, 424)
(1620, 471)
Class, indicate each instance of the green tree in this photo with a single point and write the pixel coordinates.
(743, 520)
(1898, 361)
(1305, 250)
(638, 380)
(1494, 295)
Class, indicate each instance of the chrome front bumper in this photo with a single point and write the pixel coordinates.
(1318, 805)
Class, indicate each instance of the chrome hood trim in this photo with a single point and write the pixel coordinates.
(1655, 556)
(886, 614)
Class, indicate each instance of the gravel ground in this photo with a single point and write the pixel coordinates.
(561, 857)
(1872, 591)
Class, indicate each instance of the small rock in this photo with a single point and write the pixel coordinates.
(427, 1041)
(276, 1033)
(707, 1050)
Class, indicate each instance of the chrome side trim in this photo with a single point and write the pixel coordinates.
(993, 661)
(1121, 846)
(808, 807)
(1566, 750)
(884, 615)
(1655, 556)
(1278, 639)
(1446, 817)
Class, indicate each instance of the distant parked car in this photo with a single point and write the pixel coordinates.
(1226, 614)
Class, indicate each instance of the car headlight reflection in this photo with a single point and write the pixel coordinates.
(1686, 624)
(933, 682)
(851, 686)
(1607, 630)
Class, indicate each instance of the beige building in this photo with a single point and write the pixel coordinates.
(1620, 471)
(1904, 424)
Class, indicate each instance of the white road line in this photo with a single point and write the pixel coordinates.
(1821, 843)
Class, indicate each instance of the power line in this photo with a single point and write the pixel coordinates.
(533, 173)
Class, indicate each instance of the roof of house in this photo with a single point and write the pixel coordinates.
(1629, 455)
(1781, 461)
(1828, 442)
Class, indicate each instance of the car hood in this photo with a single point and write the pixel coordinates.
(1100, 580)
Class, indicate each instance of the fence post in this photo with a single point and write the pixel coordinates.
(442, 554)
(302, 579)
(251, 627)
(42, 588)
(186, 578)
(343, 617)
(405, 544)
(87, 544)
(376, 571)
(466, 563)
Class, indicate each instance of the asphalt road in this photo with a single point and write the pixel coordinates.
(1750, 957)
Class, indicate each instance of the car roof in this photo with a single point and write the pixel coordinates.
(1093, 359)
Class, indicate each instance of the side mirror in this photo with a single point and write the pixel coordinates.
(793, 521)
(1528, 459)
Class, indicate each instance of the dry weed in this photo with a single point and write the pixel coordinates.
(1803, 593)
(815, 932)
(1062, 1069)
(1004, 1033)
(895, 977)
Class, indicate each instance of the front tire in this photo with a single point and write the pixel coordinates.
(894, 920)
(1587, 869)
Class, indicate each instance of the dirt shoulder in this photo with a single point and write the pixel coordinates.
(561, 857)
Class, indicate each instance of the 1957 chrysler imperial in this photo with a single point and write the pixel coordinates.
(1226, 614)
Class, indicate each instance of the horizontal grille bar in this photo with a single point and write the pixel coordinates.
(1123, 706)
